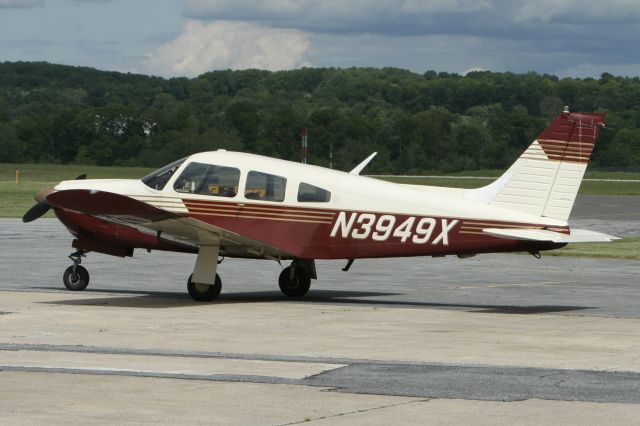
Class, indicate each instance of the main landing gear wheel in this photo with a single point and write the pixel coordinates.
(204, 292)
(296, 285)
(76, 278)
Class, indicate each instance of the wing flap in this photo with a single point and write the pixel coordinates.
(576, 236)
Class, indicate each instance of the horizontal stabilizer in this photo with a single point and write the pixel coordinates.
(576, 236)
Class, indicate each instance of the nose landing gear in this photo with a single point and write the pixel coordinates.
(76, 277)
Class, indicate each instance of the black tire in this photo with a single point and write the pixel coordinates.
(204, 292)
(296, 286)
(78, 281)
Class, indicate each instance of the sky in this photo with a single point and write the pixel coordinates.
(567, 38)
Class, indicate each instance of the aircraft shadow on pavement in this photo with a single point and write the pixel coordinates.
(161, 300)
(481, 308)
(146, 299)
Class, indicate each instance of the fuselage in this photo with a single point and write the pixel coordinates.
(309, 212)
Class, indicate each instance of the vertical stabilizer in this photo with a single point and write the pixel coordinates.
(545, 179)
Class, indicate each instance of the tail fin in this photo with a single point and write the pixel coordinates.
(545, 179)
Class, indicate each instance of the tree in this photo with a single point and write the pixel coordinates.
(243, 116)
(11, 148)
(471, 141)
(624, 149)
(32, 132)
(433, 121)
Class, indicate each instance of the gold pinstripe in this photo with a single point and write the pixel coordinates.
(200, 204)
(262, 217)
(573, 143)
(240, 213)
(275, 213)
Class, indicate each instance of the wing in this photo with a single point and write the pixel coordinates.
(170, 227)
(576, 236)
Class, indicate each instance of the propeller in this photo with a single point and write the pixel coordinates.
(42, 206)
(36, 211)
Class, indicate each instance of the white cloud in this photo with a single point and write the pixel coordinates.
(21, 4)
(223, 44)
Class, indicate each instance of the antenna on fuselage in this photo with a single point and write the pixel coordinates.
(331, 155)
(361, 166)
(304, 145)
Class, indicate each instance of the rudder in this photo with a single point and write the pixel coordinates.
(545, 179)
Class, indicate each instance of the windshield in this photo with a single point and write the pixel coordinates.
(159, 178)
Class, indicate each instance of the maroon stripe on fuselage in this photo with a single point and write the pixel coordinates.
(307, 233)
(290, 229)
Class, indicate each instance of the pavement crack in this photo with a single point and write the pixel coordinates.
(364, 410)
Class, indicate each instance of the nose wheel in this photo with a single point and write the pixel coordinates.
(76, 277)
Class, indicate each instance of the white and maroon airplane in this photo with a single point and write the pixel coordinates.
(230, 204)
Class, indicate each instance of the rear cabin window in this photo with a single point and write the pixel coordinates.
(312, 194)
(208, 179)
(265, 187)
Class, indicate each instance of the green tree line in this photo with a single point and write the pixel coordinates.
(418, 123)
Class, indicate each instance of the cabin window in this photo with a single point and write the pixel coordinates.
(266, 187)
(208, 179)
(312, 194)
(159, 178)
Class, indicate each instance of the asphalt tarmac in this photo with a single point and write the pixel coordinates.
(408, 341)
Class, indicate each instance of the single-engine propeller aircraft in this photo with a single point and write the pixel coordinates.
(229, 204)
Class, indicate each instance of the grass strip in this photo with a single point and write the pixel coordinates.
(625, 248)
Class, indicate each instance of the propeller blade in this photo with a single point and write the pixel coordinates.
(36, 211)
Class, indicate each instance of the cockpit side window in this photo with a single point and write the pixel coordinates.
(312, 194)
(208, 179)
(159, 178)
(264, 186)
